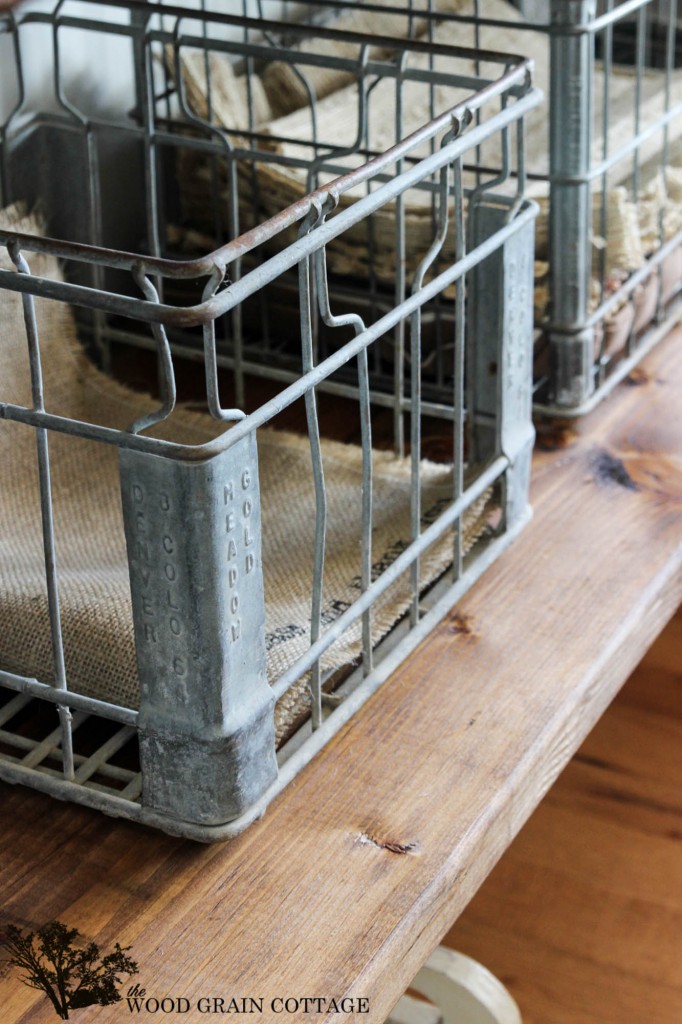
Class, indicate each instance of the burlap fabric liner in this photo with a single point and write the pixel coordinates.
(91, 555)
(280, 185)
(283, 85)
(277, 186)
(229, 94)
(281, 89)
(634, 234)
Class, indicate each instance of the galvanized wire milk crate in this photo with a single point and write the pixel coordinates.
(606, 151)
(196, 560)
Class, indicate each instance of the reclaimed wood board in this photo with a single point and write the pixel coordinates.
(582, 917)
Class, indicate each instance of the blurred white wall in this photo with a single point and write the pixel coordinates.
(97, 68)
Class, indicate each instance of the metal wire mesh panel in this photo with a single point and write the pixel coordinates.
(604, 161)
(203, 593)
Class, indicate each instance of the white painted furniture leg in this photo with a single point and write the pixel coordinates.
(461, 991)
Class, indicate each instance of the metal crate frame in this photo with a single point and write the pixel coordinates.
(581, 372)
(208, 767)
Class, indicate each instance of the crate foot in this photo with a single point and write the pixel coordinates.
(460, 990)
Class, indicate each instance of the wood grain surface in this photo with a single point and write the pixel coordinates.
(582, 917)
(446, 762)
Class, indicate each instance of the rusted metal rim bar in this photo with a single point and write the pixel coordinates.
(224, 255)
(190, 316)
(268, 410)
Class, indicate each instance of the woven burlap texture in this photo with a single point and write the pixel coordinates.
(289, 88)
(212, 87)
(281, 184)
(91, 556)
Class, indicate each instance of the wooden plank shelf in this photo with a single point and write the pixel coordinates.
(366, 860)
(582, 917)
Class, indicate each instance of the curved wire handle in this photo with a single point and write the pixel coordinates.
(167, 373)
(210, 359)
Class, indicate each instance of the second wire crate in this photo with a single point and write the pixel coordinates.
(605, 163)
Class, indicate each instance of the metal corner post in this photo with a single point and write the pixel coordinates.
(206, 720)
(500, 348)
(570, 224)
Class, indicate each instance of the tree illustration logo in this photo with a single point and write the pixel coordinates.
(72, 976)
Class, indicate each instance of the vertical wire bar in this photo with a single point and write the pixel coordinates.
(366, 553)
(415, 453)
(237, 322)
(369, 221)
(94, 196)
(307, 342)
(570, 138)
(354, 320)
(520, 159)
(438, 340)
(235, 274)
(669, 68)
(640, 58)
(603, 218)
(167, 84)
(459, 353)
(603, 213)
(46, 513)
(98, 315)
(232, 211)
(235, 316)
(411, 21)
(207, 64)
(145, 82)
(431, 103)
(440, 234)
(208, 95)
(210, 358)
(21, 95)
(165, 363)
(400, 279)
(234, 228)
(253, 177)
(477, 72)
(312, 178)
(671, 39)
(4, 169)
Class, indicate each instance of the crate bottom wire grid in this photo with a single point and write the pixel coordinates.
(193, 601)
